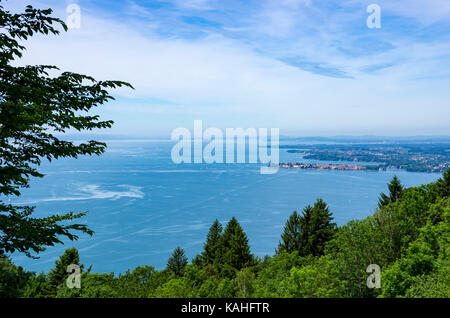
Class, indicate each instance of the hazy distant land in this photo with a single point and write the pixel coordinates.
(413, 156)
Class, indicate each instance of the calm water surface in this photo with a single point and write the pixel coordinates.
(141, 205)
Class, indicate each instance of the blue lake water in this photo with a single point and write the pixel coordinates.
(141, 205)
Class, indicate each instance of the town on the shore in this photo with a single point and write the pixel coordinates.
(320, 166)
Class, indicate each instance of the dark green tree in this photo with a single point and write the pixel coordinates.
(308, 233)
(140, 282)
(395, 192)
(443, 184)
(177, 262)
(34, 106)
(290, 239)
(304, 246)
(236, 248)
(317, 229)
(38, 287)
(58, 275)
(212, 250)
(93, 285)
(13, 279)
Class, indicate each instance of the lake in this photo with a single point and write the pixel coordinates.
(141, 205)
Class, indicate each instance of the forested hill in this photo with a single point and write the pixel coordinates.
(407, 239)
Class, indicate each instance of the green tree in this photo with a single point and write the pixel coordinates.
(212, 250)
(235, 243)
(244, 283)
(435, 285)
(274, 270)
(13, 279)
(419, 260)
(58, 275)
(423, 268)
(38, 287)
(177, 262)
(208, 289)
(355, 246)
(93, 285)
(290, 239)
(304, 246)
(443, 184)
(395, 192)
(139, 283)
(317, 229)
(308, 233)
(34, 106)
(226, 288)
(318, 279)
(175, 288)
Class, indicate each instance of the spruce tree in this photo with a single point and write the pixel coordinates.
(395, 192)
(308, 233)
(304, 246)
(443, 184)
(290, 239)
(235, 244)
(212, 249)
(59, 274)
(321, 228)
(177, 262)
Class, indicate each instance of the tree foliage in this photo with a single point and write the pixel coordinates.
(308, 233)
(36, 109)
(59, 274)
(13, 279)
(291, 236)
(236, 249)
(177, 262)
(395, 192)
(213, 248)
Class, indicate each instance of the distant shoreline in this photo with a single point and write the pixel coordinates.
(321, 166)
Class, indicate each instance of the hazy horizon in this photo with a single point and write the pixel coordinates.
(330, 137)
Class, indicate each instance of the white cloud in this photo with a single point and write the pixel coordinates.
(228, 83)
(424, 11)
(195, 4)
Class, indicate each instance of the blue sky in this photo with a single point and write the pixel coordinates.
(308, 67)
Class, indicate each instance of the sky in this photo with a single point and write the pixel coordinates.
(307, 67)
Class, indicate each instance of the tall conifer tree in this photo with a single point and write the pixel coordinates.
(236, 249)
(177, 262)
(308, 233)
(290, 239)
(59, 274)
(212, 250)
(395, 192)
(305, 229)
(443, 184)
(321, 228)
